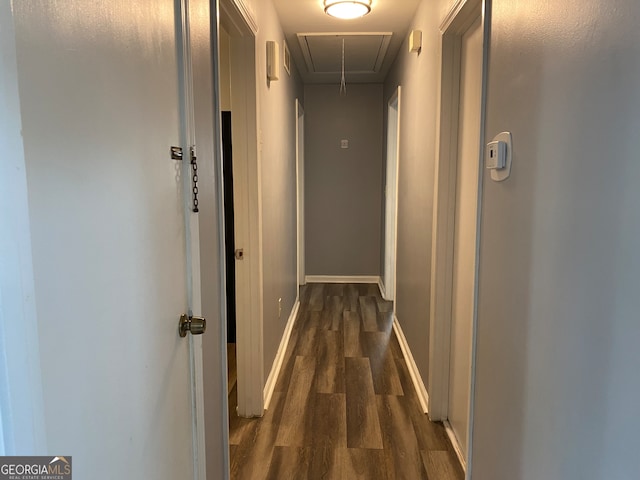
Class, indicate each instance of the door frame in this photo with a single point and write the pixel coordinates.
(192, 233)
(300, 193)
(242, 28)
(391, 202)
(22, 417)
(455, 23)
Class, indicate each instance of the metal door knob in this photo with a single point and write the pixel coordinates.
(195, 325)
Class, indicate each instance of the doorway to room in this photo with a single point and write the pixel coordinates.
(456, 209)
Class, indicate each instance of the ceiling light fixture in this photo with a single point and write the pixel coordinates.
(347, 9)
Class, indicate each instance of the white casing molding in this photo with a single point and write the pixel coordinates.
(247, 185)
(247, 14)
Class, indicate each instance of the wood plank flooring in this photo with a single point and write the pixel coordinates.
(344, 406)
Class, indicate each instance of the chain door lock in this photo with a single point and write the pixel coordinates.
(194, 165)
(176, 154)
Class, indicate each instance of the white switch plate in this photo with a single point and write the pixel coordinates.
(344, 143)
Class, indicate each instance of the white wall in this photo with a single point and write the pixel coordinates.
(418, 76)
(277, 157)
(558, 384)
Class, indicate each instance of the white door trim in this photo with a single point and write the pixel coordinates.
(391, 232)
(455, 23)
(22, 422)
(248, 208)
(300, 191)
(244, 15)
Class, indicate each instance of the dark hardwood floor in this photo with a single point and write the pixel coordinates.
(344, 406)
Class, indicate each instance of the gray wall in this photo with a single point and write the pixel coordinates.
(278, 158)
(558, 330)
(343, 186)
(417, 75)
(558, 310)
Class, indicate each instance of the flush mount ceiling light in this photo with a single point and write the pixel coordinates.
(347, 9)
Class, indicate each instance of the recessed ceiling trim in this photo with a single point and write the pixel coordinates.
(385, 40)
(382, 52)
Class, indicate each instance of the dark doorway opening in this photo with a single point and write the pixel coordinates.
(227, 168)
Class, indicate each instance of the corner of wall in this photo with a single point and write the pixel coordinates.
(277, 158)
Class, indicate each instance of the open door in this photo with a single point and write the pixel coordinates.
(391, 196)
(114, 240)
(300, 191)
(247, 201)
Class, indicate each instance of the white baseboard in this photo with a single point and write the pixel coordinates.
(383, 290)
(272, 379)
(456, 445)
(383, 293)
(342, 279)
(421, 391)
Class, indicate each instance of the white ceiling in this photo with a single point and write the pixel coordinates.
(367, 57)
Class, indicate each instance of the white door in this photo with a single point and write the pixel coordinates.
(247, 203)
(21, 419)
(391, 196)
(100, 109)
(210, 350)
(465, 233)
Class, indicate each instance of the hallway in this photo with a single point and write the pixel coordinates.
(344, 405)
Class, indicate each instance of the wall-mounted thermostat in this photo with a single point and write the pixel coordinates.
(498, 157)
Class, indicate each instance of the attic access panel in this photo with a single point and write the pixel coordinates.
(364, 52)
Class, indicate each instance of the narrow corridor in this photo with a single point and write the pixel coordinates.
(344, 406)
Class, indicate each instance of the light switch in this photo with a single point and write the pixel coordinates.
(344, 143)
